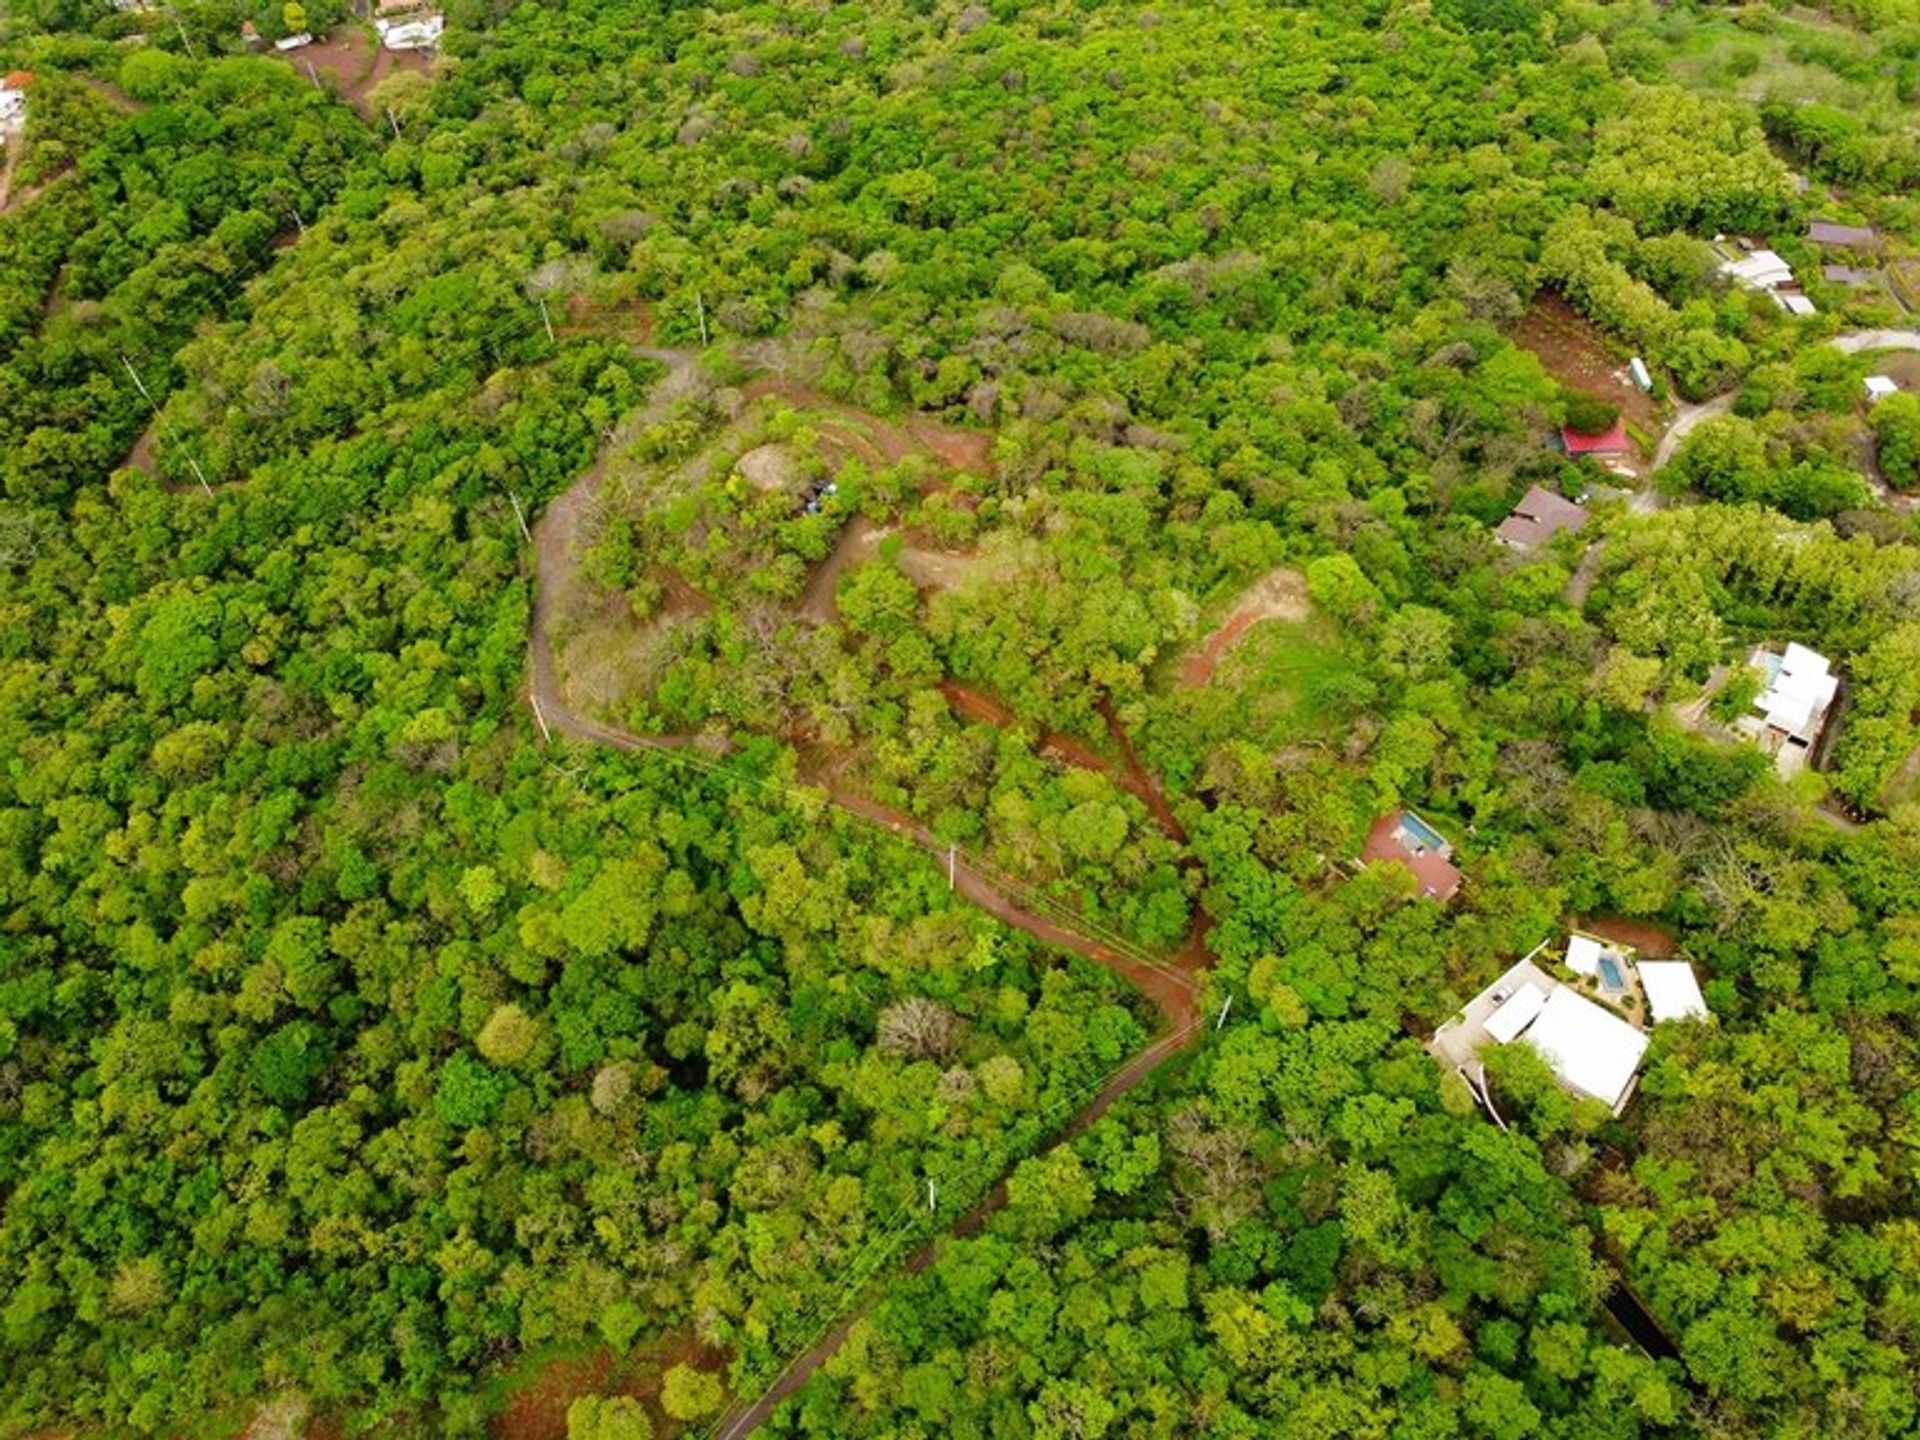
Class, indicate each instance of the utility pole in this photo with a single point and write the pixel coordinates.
(312, 74)
(1223, 1011)
(951, 866)
(540, 717)
(184, 40)
(701, 301)
(932, 1194)
(298, 223)
(547, 321)
(521, 516)
(393, 122)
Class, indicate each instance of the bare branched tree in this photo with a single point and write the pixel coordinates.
(918, 1029)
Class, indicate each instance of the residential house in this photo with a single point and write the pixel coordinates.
(1791, 708)
(1405, 839)
(421, 32)
(1829, 235)
(1539, 517)
(1766, 271)
(1591, 1050)
(1612, 441)
(13, 100)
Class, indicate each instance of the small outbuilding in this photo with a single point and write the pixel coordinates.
(1879, 387)
(1672, 991)
(1539, 517)
(1848, 275)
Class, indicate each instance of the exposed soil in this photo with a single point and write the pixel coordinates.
(1654, 941)
(880, 441)
(141, 455)
(353, 62)
(1282, 595)
(13, 145)
(1576, 354)
(538, 1411)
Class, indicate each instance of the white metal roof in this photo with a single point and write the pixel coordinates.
(418, 33)
(1881, 386)
(1590, 1048)
(1799, 695)
(1795, 304)
(1516, 1012)
(1762, 270)
(1672, 991)
(1583, 954)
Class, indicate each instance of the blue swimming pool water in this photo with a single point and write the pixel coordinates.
(1610, 977)
(1418, 830)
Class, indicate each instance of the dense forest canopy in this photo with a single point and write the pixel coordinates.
(647, 659)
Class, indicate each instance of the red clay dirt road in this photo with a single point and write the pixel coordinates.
(1173, 987)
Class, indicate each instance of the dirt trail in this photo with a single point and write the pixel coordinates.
(13, 145)
(1281, 595)
(1172, 986)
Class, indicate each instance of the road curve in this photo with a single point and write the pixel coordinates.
(1173, 987)
(1688, 416)
(1684, 421)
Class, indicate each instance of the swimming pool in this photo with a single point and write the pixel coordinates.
(1610, 976)
(1420, 832)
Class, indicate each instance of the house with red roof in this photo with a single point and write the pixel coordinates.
(1608, 442)
(1407, 840)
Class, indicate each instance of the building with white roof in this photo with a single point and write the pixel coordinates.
(1516, 1012)
(1591, 1049)
(1672, 991)
(1791, 708)
(13, 101)
(422, 32)
(1761, 270)
(1879, 387)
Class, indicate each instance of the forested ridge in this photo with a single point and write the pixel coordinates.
(1036, 455)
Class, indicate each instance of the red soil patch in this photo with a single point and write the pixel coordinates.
(1656, 942)
(539, 1410)
(1282, 595)
(1579, 356)
(885, 441)
(1130, 775)
(628, 320)
(353, 62)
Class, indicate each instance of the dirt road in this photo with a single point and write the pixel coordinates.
(1173, 985)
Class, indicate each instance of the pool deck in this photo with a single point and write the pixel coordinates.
(1458, 1043)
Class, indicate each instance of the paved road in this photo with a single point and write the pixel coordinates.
(1688, 416)
(1173, 986)
(1861, 340)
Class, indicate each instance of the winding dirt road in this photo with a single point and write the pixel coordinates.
(1172, 985)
